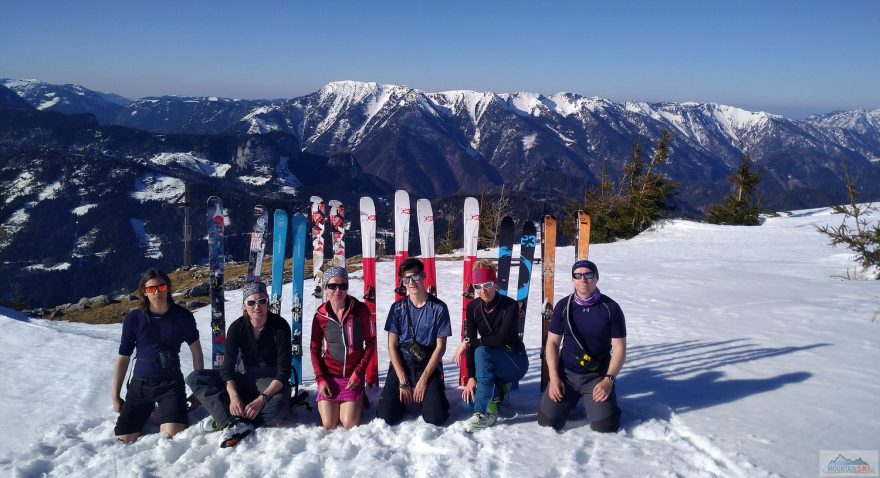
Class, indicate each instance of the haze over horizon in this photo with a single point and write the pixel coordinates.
(788, 58)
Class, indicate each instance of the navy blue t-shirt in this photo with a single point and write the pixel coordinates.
(429, 322)
(174, 327)
(595, 326)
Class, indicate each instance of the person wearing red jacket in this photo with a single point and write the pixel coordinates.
(342, 346)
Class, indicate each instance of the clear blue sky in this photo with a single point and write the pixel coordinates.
(788, 57)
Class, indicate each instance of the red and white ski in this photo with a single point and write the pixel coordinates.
(425, 217)
(401, 237)
(338, 226)
(318, 218)
(471, 233)
(368, 248)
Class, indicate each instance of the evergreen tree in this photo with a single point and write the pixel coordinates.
(860, 235)
(639, 200)
(493, 208)
(645, 200)
(739, 207)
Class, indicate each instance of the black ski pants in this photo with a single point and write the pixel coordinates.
(435, 406)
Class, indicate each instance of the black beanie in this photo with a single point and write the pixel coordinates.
(585, 263)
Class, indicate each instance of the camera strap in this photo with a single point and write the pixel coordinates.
(406, 308)
(584, 351)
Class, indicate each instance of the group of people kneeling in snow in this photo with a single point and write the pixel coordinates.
(342, 344)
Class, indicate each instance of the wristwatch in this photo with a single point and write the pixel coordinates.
(404, 385)
(610, 378)
(265, 397)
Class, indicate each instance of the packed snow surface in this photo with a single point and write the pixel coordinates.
(748, 353)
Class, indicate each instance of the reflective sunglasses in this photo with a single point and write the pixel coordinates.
(484, 285)
(583, 275)
(253, 303)
(407, 279)
(337, 286)
(152, 289)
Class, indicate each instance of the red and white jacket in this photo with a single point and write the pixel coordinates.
(342, 346)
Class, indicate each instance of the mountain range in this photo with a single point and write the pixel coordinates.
(74, 161)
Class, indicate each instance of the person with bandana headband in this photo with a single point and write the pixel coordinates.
(494, 352)
(592, 355)
(259, 395)
(342, 345)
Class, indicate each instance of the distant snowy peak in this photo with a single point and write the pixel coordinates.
(701, 122)
(861, 121)
(187, 99)
(472, 104)
(68, 99)
(343, 112)
(41, 92)
(370, 97)
(567, 104)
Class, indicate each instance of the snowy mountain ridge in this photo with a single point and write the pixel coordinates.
(356, 138)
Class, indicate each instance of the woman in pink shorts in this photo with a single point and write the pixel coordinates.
(342, 346)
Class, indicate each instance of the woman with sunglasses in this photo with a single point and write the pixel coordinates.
(493, 349)
(342, 346)
(155, 329)
(260, 396)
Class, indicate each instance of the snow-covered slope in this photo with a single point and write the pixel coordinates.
(748, 353)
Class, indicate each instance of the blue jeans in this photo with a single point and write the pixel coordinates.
(496, 366)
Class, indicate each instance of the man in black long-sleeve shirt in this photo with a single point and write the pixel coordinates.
(260, 394)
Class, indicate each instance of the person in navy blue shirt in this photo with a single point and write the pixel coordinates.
(155, 329)
(592, 355)
(417, 327)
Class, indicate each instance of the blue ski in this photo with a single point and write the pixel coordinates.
(279, 246)
(300, 226)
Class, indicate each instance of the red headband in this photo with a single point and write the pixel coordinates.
(483, 275)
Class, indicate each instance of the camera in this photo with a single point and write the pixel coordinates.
(418, 352)
(168, 360)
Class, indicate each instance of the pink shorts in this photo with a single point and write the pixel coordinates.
(339, 393)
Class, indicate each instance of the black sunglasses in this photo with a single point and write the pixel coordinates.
(410, 278)
(582, 275)
(337, 286)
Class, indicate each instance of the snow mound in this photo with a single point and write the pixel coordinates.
(193, 163)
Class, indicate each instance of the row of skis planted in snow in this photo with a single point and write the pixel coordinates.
(319, 216)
